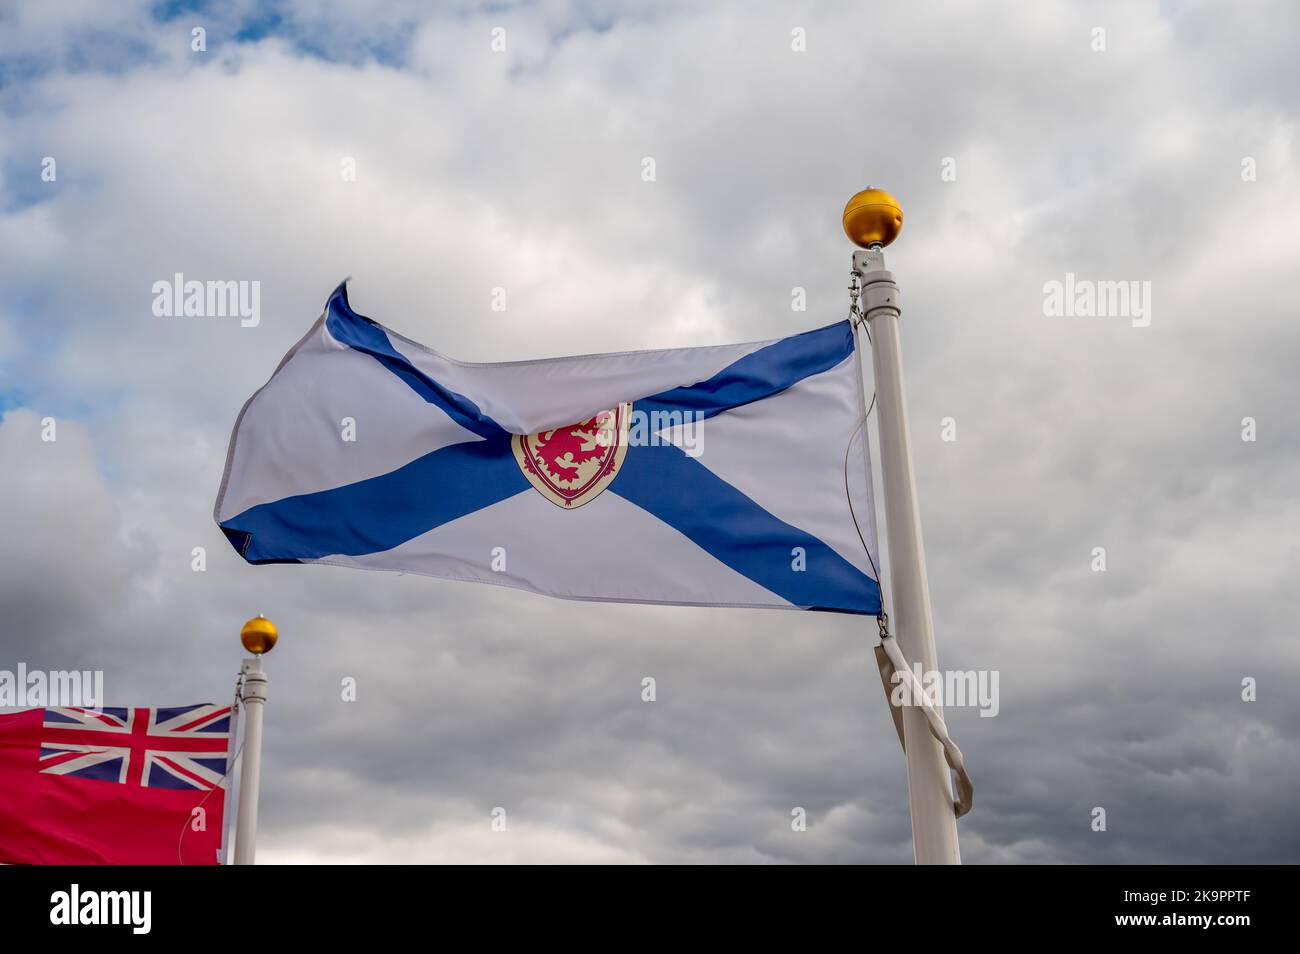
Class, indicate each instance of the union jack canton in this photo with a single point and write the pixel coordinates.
(181, 748)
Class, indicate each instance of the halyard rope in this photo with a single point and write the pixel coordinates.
(938, 728)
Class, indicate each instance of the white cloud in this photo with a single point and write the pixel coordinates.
(522, 170)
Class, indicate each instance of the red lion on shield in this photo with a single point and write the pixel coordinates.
(565, 448)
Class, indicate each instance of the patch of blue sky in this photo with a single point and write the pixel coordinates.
(340, 40)
(70, 407)
(22, 68)
(168, 10)
(19, 89)
(21, 184)
(82, 51)
(11, 398)
(106, 51)
(588, 18)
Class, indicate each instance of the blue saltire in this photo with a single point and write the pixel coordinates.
(379, 513)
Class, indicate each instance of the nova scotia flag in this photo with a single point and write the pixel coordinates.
(734, 475)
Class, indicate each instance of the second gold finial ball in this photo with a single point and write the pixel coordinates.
(259, 635)
(872, 217)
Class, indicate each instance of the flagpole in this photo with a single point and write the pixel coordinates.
(873, 219)
(258, 636)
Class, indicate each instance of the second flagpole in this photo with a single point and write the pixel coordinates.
(259, 636)
(872, 219)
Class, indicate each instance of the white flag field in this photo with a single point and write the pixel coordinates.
(735, 475)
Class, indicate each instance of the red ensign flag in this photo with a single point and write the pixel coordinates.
(114, 786)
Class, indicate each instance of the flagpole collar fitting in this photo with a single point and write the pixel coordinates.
(259, 635)
(872, 217)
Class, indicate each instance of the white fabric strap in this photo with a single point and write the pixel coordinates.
(965, 790)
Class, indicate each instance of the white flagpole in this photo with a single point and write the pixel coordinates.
(872, 219)
(258, 636)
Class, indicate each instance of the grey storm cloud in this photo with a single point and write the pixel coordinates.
(522, 170)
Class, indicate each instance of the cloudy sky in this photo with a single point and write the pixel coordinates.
(1169, 157)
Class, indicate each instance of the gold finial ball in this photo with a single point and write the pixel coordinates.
(872, 217)
(258, 635)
